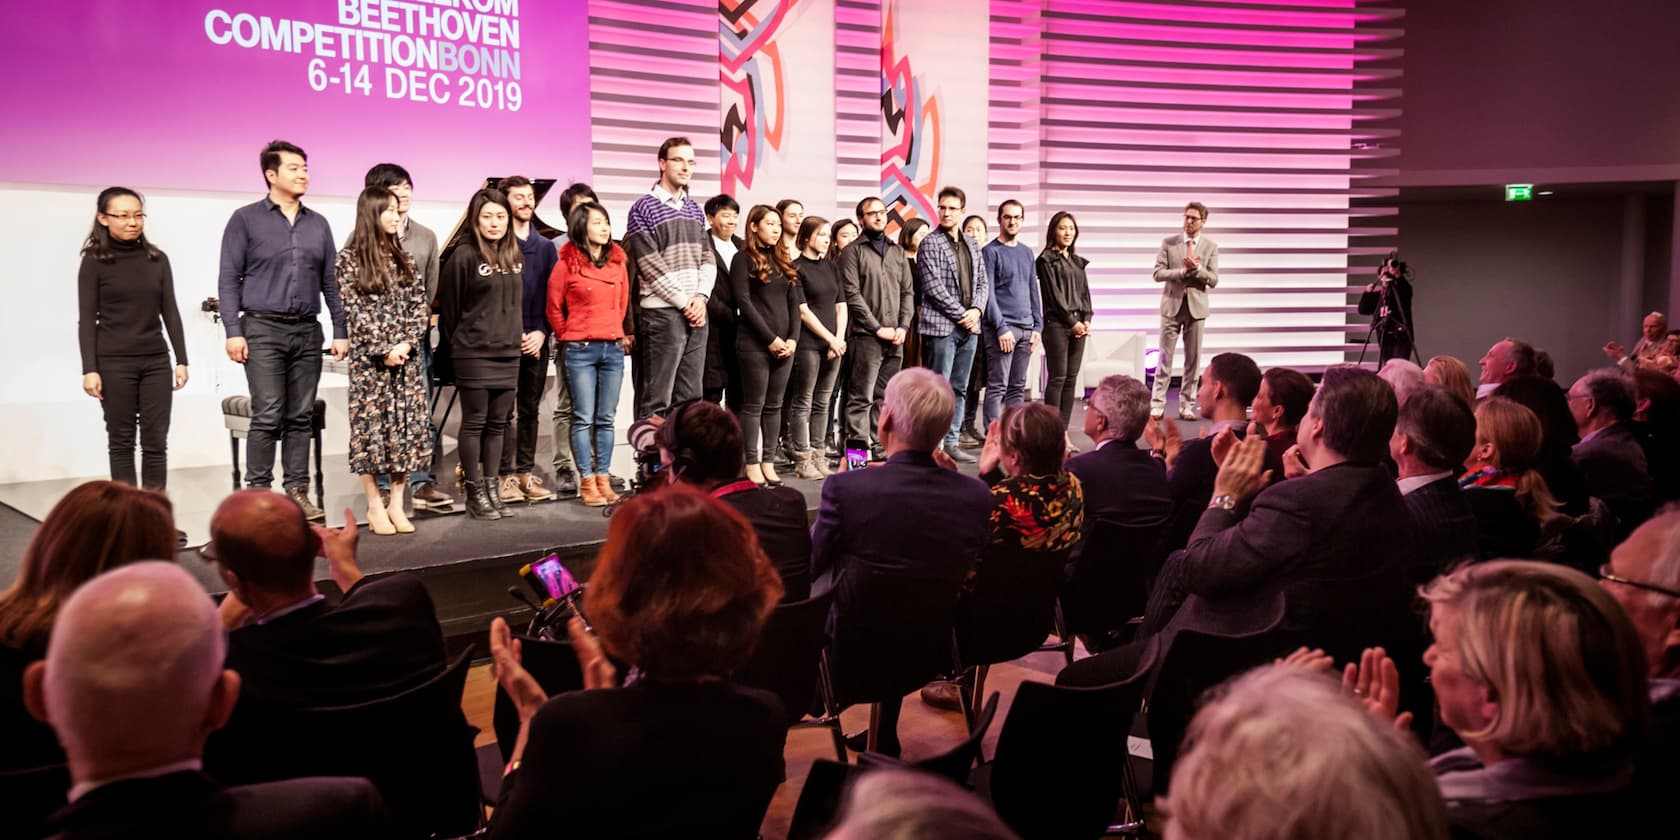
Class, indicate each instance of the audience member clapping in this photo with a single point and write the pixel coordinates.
(97, 526)
(1280, 405)
(133, 683)
(1120, 481)
(1036, 505)
(679, 595)
(1283, 753)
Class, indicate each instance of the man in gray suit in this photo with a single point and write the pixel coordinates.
(1187, 265)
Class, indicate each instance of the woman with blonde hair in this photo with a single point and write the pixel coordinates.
(1451, 374)
(1542, 674)
(1506, 491)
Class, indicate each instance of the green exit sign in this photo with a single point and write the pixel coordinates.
(1519, 192)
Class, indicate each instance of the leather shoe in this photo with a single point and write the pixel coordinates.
(942, 695)
(960, 455)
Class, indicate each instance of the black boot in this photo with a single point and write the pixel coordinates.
(478, 501)
(493, 488)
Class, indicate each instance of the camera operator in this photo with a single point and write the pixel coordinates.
(700, 445)
(1389, 303)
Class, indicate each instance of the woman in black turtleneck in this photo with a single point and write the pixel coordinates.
(124, 290)
(768, 294)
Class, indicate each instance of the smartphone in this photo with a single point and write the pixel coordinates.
(857, 453)
(551, 580)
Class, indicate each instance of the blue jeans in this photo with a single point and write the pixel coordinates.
(1006, 373)
(594, 372)
(952, 356)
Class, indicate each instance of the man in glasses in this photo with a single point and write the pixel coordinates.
(956, 293)
(1644, 575)
(1186, 267)
(666, 237)
(880, 300)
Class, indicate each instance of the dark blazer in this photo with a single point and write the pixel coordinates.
(647, 760)
(1613, 464)
(381, 639)
(1444, 529)
(1334, 542)
(1191, 481)
(778, 516)
(908, 516)
(1503, 528)
(190, 804)
(1122, 482)
(720, 307)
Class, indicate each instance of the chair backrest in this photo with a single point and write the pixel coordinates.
(1195, 662)
(1109, 585)
(554, 667)
(1011, 605)
(955, 763)
(416, 747)
(889, 635)
(1059, 770)
(32, 794)
(787, 661)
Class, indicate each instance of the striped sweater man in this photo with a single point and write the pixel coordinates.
(666, 238)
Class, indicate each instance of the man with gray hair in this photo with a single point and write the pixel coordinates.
(1404, 376)
(1611, 461)
(133, 684)
(1121, 481)
(907, 517)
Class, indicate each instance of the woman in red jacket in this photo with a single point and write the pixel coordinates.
(588, 294)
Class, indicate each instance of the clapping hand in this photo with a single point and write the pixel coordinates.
(1615, 351)
(1294, 463)
(1375, 682)
(1243, 473)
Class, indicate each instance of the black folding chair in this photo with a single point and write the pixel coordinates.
(416, 747)
(555, 668)
(893, 637)
(1061, 768)
(1104, 598)
(788, 664)
(1005, 614)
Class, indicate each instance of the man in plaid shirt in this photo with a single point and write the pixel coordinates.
(954, 294)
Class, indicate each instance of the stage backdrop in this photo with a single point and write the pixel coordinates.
(1273, 114)
(183, 93)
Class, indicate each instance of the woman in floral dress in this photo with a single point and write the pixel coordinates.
(386, 306)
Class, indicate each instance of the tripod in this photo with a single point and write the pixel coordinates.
(1394, 316)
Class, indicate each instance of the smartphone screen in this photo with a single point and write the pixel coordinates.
(857, 454)
(550, 578)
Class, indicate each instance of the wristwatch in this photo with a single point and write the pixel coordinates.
(1223, 501)
(1158, 453)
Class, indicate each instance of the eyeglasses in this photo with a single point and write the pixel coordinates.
(881, 212)
(125, 217)
(943, 208)
(682, 161)
(1604, 573)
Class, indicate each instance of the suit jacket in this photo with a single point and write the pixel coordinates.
(908, 516)
(1444, 529)
(190, 804)
(1613, 464)
(1122, 482)
(1191, 482)
(381, 639)
(778, 516)
(645, 761)
(1181, 285)
(1334, 543)
(1503, 528)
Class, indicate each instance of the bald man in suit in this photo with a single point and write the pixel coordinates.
(1187, 266)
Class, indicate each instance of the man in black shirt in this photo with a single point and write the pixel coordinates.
(277, 265)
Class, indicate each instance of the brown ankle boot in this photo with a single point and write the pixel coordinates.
(603, 485)
(588, 492)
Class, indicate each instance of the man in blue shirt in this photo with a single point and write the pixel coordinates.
(518, 483)
(277, 265)
(1016, 304)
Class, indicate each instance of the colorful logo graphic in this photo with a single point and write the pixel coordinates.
(910, 141)
(753, 102)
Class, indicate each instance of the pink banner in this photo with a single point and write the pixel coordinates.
(183, 94)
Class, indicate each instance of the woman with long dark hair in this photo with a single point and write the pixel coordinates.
(1067, 311)
(767, 291)
(910, 236)
(388, 315)
(588, 294)
(480, 326)
(792, 213)
(822, 344)
(124, 288)
(840, 234)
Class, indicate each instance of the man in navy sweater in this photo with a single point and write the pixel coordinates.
(1014, 303)
(540, 255)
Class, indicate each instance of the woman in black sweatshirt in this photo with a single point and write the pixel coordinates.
(480, 324)
(124, 289)
(767, 291)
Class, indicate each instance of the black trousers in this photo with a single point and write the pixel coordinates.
(1063, 352)
(137, 390)
(763, 384)
(484, 420)
(873, 363)
(722, 382)
(533, 378)
(282, 370)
